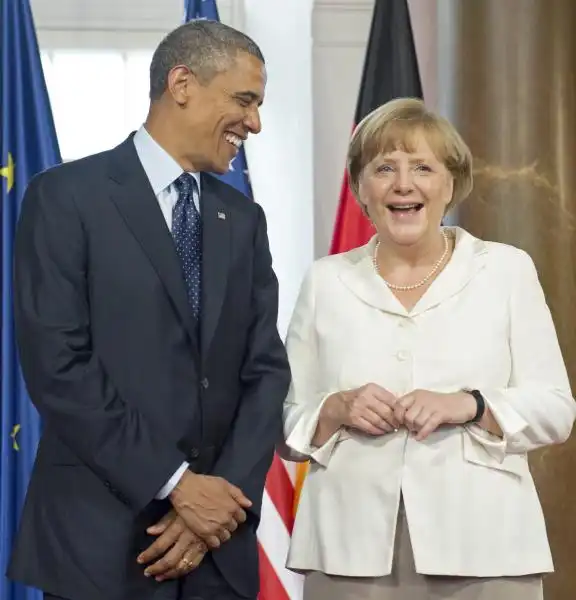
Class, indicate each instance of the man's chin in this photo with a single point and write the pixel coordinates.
(220, 168)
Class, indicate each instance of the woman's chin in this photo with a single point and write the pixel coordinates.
(406, 234)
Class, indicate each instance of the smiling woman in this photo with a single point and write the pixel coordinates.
(425, 366)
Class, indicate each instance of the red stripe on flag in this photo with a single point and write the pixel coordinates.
(281, 492)
(352, 227)
(270, 586)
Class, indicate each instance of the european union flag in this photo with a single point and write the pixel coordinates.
(27, 146)
(237, 175)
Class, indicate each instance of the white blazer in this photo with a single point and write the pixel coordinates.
(470, 500)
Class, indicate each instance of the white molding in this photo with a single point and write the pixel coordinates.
(346, 5)
(341, 23)
(116, 15)
(72, 39)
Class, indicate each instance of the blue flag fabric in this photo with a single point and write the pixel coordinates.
(237, 176)
(28, 145)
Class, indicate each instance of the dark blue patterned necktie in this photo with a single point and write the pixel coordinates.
(187, 234)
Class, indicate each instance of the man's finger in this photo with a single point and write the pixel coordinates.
(213, 541)
(232, 525)
(170, 560)
(163, 523)
(239, 496)
(160, 545)
(239, 515)
(224, 535)
(179, 571)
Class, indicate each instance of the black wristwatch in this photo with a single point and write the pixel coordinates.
(480, 405)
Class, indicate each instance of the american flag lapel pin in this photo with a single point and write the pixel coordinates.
(222, 216)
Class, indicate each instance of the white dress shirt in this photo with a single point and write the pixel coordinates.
(162, 171)
(471, 504)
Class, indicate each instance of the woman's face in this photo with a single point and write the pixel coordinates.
(406, 193)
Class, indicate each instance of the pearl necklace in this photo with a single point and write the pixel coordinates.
(407, 288)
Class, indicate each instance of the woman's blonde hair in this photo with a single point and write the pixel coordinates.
(394, 126)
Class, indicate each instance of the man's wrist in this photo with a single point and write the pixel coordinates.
(175, 494)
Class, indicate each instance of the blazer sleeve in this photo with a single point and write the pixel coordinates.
(305, 397)
(537, 408)
(65, 378)
(249, 447)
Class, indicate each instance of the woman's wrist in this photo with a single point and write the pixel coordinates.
(329, 419)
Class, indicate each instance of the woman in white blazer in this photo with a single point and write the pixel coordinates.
(425, 367)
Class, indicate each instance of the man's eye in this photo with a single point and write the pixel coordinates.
(244, 102)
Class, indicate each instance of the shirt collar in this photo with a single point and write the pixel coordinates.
(160, 168)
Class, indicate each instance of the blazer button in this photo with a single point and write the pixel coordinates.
(403, 355)
(194, 453)
(205, 383)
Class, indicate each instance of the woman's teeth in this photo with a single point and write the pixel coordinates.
(405, 207)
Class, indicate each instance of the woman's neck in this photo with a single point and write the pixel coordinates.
(425, 252)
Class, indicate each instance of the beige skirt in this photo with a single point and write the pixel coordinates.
(405, 584)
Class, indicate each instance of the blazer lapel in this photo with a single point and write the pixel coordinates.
(358, 275)
(216, 238)
(466, 261)
(139, 207)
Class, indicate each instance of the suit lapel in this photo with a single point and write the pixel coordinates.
(139, 207)
(216, 238)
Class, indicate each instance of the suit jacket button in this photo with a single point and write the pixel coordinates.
(205, 383)
(194, 453)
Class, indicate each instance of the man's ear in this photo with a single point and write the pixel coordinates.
(181, 84)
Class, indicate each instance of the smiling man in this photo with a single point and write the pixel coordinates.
(146, 308)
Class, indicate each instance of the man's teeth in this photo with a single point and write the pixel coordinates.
(233, 139)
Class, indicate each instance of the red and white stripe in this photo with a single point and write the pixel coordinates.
(276, 582)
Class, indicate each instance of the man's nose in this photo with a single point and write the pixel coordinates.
(252, 120)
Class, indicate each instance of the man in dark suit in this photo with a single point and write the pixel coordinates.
(146, 309)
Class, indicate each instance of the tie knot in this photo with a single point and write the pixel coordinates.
(186, 184)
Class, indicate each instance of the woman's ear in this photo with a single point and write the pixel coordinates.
(450, 191)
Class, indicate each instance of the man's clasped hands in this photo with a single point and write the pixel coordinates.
(206, 512)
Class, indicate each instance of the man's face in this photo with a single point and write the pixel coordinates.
(218, 116)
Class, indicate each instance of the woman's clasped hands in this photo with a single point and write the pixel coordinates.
(373, 410)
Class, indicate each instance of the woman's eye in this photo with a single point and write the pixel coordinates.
(425, 168)
(384, 169)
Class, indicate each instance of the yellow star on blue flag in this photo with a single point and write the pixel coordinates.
(8, 172)
(15, 432)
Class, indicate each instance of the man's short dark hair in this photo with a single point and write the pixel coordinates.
(205, 47)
